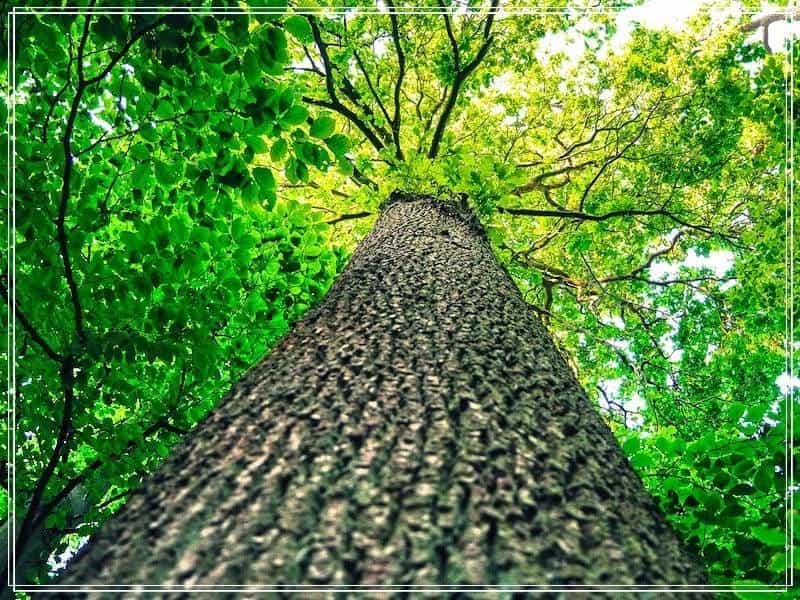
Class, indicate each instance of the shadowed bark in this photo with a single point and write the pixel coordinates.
(418, 428)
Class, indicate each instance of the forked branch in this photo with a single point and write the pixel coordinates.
(335, 103)
(461, 72)
(398, 85)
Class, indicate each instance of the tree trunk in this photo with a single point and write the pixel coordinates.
(418, 428)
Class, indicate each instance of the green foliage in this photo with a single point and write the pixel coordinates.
(207, 154)
(188, 264)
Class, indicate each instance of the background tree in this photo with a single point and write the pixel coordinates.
(190, 229)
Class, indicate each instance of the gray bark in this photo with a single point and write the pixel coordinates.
(417, 428)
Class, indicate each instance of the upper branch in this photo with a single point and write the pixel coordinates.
(348, 217)
(68, 362)
(351, 116)
(66, 179)
(620, 153)
(122, 52)
(398, 85)
(648, 263)
(582, 216)
(27, 326)
(625, 212)
(372, 89)
(161, 424)
(765, 21)
(330, 86)
(451, 36)
(461, 73)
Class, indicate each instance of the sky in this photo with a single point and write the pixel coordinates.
(656, 14)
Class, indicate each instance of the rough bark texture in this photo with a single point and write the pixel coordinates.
(419, 427)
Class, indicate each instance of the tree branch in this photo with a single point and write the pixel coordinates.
(597, 130)
(57, 98)
(132, 132)
(27, 326)
(398, 85)
(32, 515)
(770, 18)
(619, 154)
(66, 177)
(581, 216)
(626, 212)
(450, 36)
(648, 263)
(335, 103)
(431, 115)
(121, 54)
(330, 86)
(30, 521)
(537, 183)
(461, 74)
(349, 90)
(162, 423)
(372, 89)
(348, 217)
(766, 20)
(349, 115)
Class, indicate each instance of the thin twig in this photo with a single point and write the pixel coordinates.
(348, 217)
(27, 326)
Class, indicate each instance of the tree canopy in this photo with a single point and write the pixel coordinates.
(186, 184)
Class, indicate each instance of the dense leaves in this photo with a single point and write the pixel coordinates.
(189, 184)
(184, 267)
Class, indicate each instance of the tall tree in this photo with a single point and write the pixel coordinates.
(418, 427)
(188, 184)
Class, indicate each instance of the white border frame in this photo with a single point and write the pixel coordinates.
(405, 10)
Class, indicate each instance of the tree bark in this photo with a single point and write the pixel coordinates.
(417, 428)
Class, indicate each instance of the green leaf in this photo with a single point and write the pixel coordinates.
(345, 166)
(631, 446)
(269, 198)
(167, 174)
(294, 116)
(251, 67)
(290, 170)
(642, 460)
(752, 595)
(302, 171)
(764, 477)
(165, 110)
(581, 243)
(778, 563)
(338, 144)
(299, 28)
(264, 178)
(219, 55)
(769, 535)
(322, 127)
(736, 410)
(145, 104)
(140, 152)
(148, 132)
(257, 143)
(278, 150)
(255, 303)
